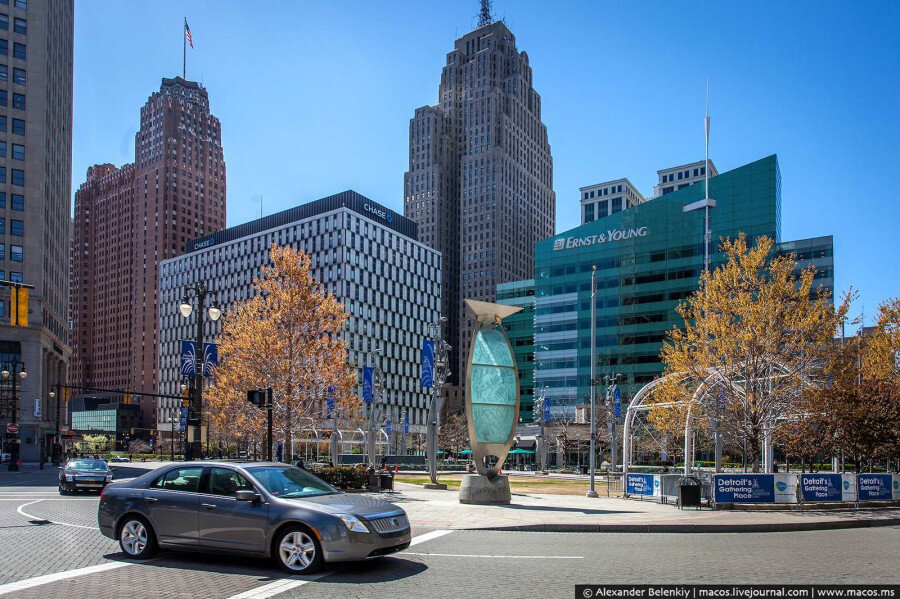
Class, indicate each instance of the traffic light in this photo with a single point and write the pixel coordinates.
(18, 306)
(66, 393)
(132, 432)
(127, 399)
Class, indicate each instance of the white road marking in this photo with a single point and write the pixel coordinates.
(279, 586)
(28, 583)
(498, 556)
(32, 517)
(428, 536)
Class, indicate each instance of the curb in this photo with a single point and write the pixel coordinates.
(697, 528)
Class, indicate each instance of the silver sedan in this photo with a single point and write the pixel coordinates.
(257, 508)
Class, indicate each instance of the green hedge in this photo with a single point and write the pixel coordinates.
(343, 477)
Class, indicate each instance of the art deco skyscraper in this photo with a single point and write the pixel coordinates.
(127, 221)
(480, 179)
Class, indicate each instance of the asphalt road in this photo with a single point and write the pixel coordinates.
(53, 540)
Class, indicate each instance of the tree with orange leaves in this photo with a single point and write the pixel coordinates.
(288, 337)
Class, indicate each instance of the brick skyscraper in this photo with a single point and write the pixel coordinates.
(35, 201)
(127, 221)
(480, 179)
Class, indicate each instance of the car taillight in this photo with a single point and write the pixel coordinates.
(102, 491)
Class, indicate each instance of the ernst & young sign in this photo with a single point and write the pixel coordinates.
(567, 243)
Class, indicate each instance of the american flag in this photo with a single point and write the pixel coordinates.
(187, 34)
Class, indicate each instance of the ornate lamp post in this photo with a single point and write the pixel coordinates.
(200, 292)
(14, 370)
(441, 372)
(611, 389)
(541, 406)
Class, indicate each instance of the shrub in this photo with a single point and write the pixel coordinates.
(343, 477)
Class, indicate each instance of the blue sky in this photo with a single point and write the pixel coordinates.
(315, 98)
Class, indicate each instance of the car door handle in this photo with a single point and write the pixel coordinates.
(151, 499)
(209, 506)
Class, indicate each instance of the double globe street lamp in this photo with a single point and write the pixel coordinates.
(14, 370)
(199, 292)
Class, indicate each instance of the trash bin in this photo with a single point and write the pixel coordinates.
(373, 480)
(689, 488)
(387, 481)
(584, 469)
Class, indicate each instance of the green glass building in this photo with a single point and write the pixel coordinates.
(649, 258)
(520, 332)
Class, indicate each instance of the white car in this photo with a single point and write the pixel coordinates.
(120, 458)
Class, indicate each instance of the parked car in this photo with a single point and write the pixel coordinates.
(80, 474)
(265, 509)
(120, 458)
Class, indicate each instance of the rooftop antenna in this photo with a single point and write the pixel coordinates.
(484, 17)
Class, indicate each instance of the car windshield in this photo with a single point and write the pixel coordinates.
(87, 465)
(288, 482)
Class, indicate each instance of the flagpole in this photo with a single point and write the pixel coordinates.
(184, 50)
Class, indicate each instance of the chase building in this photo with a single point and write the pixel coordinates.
(364, 254)
(649, 257)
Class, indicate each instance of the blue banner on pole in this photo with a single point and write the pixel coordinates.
(406, 425)
(618, 399)
(210, 358)
(387, 427)
(279, 452)
(184, 418)
(821, 487)
(188, 358)
(745, 488)
(873, 487)
(546, 411)
(329, 399)
(367, 384)
(427, 363)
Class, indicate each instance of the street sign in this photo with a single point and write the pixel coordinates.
(12, 428)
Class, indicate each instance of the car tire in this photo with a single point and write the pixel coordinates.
(63, 490)
(296, 550)
(136, 538)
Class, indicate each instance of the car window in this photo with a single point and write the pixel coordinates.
(227, 482)
(287, 481)
(180, 479)
(86, 465)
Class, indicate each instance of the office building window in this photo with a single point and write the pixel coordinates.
(2, 226)
(19, 101)
(17, 228)
(2, 174)
(588, 212)
(16, 277)
(3, 97)
(15, 253)
(19, 51)
(20, 26)
(18, 177)
(4, 22)
(17, 202)
(18, 151)
(4, 47)
(23, 4)
(2, 200)
(4, 72)
(2, 149)
(3, 257)
(19, 76)
(18, 126)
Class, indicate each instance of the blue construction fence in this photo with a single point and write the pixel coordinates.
(772, 488)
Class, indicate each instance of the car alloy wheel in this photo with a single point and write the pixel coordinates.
(136, 539)
(298, 551)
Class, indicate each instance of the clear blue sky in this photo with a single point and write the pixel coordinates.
(315, 98)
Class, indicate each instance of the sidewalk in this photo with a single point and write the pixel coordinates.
(575, 513)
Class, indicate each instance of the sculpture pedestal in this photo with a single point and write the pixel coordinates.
(481, 490)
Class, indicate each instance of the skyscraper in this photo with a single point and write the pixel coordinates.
(35, 182)
(480, 179)
(144, 213)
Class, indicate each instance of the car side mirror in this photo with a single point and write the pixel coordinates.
(246, 495)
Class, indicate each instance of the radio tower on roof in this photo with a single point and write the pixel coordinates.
(484, 17)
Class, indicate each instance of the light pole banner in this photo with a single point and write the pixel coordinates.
(406, 425)
(184, 418)
(428, 363)
(210, 358)
(546, 410)
(618, 399)
(367, 384)
(188, 358)
(329, 399)
(387, 427)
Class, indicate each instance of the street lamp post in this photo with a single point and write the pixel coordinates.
(441, 372)
(14, 370)
(377, 384)
(542, 407)
(200, 292)
(611, 389)
(592, 458)
(54, 451)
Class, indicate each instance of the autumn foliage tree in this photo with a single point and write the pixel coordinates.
(754, 340)
(288, 336)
